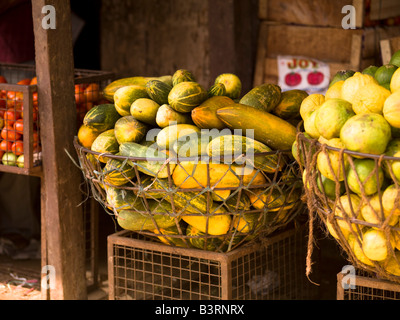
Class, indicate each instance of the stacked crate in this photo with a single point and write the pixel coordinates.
(361, 285)
(274, 269)
(313, 29)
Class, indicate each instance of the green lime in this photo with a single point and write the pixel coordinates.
(384, 73)
(370, 70)
(395, 60)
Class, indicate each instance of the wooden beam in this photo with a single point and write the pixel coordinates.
(232, 39)
(62, 216)
(221, 23)
(384, 9)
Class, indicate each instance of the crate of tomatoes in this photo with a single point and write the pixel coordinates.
(20, 145)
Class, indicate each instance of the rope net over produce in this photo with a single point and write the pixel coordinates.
(356, 197)
(210, 204)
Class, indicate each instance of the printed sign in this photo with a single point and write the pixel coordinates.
(302, 73)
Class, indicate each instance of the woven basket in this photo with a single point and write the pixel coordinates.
(244, 210)
(358, 205)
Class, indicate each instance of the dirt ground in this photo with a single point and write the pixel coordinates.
(19, 279)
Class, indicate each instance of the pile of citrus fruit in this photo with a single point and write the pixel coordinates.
(357, 161)
(12, 137)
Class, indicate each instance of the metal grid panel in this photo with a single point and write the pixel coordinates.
(368, 287)
(146, 270)
(276, 271)
(144, 274)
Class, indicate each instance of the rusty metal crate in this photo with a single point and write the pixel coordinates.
(141, 269)
(19, 98)
(366, 286)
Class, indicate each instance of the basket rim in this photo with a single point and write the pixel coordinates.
(78, 146)
(347, 151)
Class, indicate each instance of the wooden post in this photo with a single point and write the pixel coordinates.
(62, 217)
(232, 30)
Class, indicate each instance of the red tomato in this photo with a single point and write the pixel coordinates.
(35, 114)
(14, 99)
(80, 94)
(92, 92)
(35, 99)
(18, 148)
(19, 126)
(36, 139)
(10, 116)
(5, 145)
(3, 79)
(8, 133)
(25, 82)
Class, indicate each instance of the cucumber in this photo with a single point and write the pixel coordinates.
(154, 168)
(271, 130)
(231, 147)
(167, 136)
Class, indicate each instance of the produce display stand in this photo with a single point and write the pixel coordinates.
(140, 266)
(20, 99)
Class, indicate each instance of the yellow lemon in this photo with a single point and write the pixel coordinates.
(309, 125)
(310, 104)
(389, 199)
(392, 265)
(348, 207)
(396, 239)
(375, 244)
(391, 109)
(395, 81)
(338, 111)
(370, 99)
(372, 213)
(332, 231)
(332, 157)
(335, 91)
(358, 251)
(352, 85)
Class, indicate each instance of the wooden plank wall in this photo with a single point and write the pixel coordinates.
(152, 37)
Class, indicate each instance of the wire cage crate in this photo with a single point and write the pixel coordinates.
(215, 206)
(355, 195)
(20, 143)
(141, 268)
(366, 286)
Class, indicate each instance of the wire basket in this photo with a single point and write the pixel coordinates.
(207, 205)
(20, 137)
(356, 195)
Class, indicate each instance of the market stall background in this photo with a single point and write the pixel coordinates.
(213, 37)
